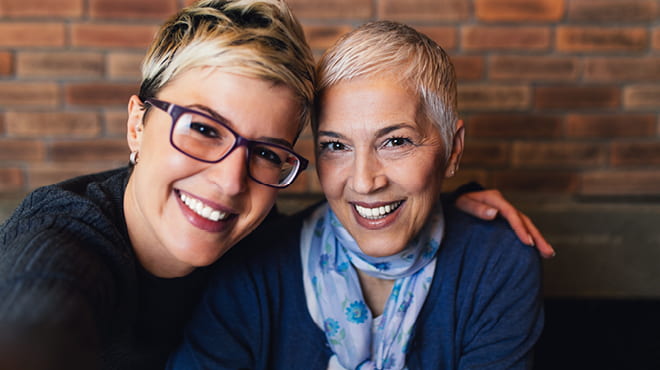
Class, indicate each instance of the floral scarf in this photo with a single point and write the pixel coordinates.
(334, 296)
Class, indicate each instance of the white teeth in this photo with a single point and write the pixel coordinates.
(201, 209)
(377, 212)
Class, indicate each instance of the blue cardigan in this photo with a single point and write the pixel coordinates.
(484, 309)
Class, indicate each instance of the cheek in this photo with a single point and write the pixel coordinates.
(422, 180)
(262, 199)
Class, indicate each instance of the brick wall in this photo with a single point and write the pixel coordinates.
(559, 96)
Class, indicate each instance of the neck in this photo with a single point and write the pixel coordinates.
(376, 292)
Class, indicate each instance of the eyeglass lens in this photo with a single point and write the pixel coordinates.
(205, 139)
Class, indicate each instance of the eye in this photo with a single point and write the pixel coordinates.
(397, 141)
(332, 146)
(268, 155)
(204, 130)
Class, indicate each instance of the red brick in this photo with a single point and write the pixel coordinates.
(28, 34)
(323, 9)
(519, 10)
(115, 122)
(612, 10)
(642, 97)
(2, 125)
(485, 154)
(48, 124)
(656, 39)
(468, 67)
(493, 97)
(321, 37)
(110, 150)
(558, 154)
(509, 125)
(150, 9)
(536, 181)
(424, 10)
(6, 63)
(112, 35)
(577, 97)
(41, 8)
(21, 150)
(599, 39)
(28, 94)
(59, 64)
(622, 69)
(635, 182)
(446, 37)
(122, 65)
(42, 174)
(640, 153)
(542, 68)
(100, 93)
(505, 38)
(11, 179)
(610, 125)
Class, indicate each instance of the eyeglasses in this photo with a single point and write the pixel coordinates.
(206, 139)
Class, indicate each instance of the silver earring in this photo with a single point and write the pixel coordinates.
(133, 158)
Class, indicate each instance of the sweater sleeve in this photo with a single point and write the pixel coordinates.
(53, 292)
(226, 331)
(504, 310)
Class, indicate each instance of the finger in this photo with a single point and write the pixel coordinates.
(475, 207)
(494, 199)
(515, 220)
(544, 248)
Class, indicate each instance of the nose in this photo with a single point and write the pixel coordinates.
(368, 173)
(230, 175)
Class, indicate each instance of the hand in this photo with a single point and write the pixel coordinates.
(486, 204)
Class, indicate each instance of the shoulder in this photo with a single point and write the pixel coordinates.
(483, 239)
(81, 216)
(80, 197)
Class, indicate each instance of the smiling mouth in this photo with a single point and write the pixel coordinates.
(377, 212)
(202, 209)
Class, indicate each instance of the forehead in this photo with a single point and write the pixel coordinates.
(369, 103)
(247, 103)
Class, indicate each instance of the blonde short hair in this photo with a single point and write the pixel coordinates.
(253, 38)
(399, 51)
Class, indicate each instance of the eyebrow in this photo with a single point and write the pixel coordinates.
(218, 117)
(382, 132)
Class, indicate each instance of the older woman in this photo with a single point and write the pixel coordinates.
(100, 271)
(385, 275)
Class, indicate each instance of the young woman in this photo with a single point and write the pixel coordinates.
(385, 275)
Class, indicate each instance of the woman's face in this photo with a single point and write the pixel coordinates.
(169, 237)
(380, 163)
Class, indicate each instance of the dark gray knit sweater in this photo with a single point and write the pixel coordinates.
(72, 294)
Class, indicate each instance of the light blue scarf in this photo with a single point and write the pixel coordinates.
(334, 296)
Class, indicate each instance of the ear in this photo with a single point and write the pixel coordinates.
(135, 124)
(456, 150)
